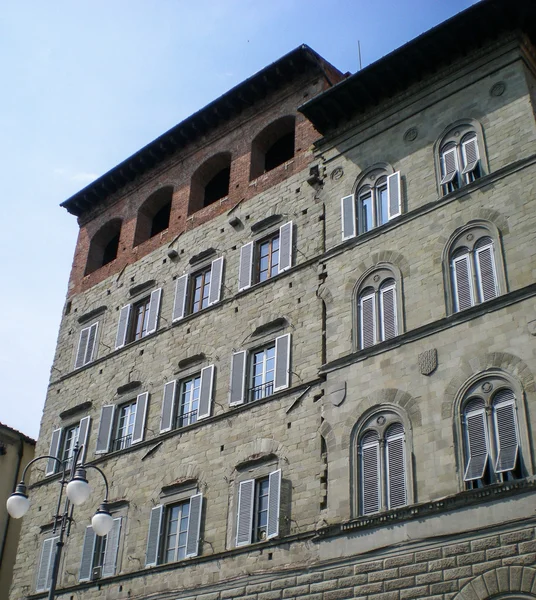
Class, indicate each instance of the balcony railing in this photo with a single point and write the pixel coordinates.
(122, 443)
(186, 419)
(261, 391)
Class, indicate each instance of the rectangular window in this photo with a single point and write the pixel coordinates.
(262, 373)
(86, 346)
(99, 553)
(189, 401)
(70, 440)
(138, 320)
(46, 564)
(64, 442)
(260, 510)
(177, 519)
(268, 258)
(126, 418)
(200, 290)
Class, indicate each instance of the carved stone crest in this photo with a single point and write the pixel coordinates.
(428, 361)
(338, 396)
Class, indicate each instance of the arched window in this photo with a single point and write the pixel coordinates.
(376, 200)
(210, 182)
(378, 307)
(490, 429)
(476, 272)
(153, 215)
(460, 154)
(103, 246)
(382, 464)
(273, 146)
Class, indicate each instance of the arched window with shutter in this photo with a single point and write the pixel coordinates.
(382, 464)
(460, 156)
(378, 302)
(491, 433)
(475, 268)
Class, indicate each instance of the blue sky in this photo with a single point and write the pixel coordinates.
(85, 84)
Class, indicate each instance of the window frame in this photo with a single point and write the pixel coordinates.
(102, 552)
(47, 574)
(82, 427)
(88, 341)
(267, 385)
(127, 323)
(124, 441)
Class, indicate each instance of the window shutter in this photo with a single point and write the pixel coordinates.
(122, 327)
(179, 305)
(82, 348)
(470, 155)
(486, 275)
(285, 247)
(388, 312)
(154, 309)
(396, 466)
(348, 218)
(88, 549)
(282, 362)
(205, 393)
(153, 537)
(112, 548)
(477, 443)
(53, 465)
(274, 503)
(370, 474)
(105, 429)
(463, 285)
(90, 351)
(216, 279)
(449, 165)
(238, 378)
(506, 431)
(194, 525)
(367, 310)
(246, 267)
(168, 407)
(46, 564)
(246, 497)
(139, 420)
(394, 194)
(83, 435)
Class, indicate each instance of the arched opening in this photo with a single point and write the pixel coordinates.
(210, 182)
(153, 215)
(104, 245)
(273, 146)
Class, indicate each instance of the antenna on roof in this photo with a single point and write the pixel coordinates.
(359, 52)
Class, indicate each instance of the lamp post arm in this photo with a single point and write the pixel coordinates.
(103, 476)
(48, 457)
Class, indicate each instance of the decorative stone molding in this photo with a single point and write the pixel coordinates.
(502, 580)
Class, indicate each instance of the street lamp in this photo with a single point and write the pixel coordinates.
(77, 492)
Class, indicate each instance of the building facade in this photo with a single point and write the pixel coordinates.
(299, 337)
(16, 451)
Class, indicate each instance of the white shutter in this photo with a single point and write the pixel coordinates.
(112, 548)
(104, 435)
(245, 270)
(389, 325)
(88, 549)
(370, 474)
(168, 407)
(396, 466)
(449, 165)
(463, 283)
(348, 218)
(246, 499)
(194, 525)
(83, 434)
(206, 392)
(394, 195)
(179, 305)
(486, 273)
(274, 504)
(53, 465)
(216, 279)
(238, 378)
(153, 537)
(139, 420)
(470, 155)
(282, 362)
(476, 441)
(82, 348)
(367, 317)
(91, 343)
(122, 327)
(46, 564)
(505, 430)
(154, 309)
(285, 247)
